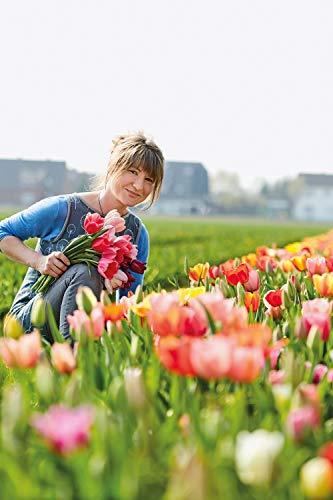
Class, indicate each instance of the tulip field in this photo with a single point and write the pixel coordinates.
(213, 381)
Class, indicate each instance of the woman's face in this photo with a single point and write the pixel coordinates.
(132, 187)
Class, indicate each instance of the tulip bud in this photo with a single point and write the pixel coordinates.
(282, 396)
(269, 268)
(134, 387)
(240, 293)
(313, 340)
(309, 287)
(286, 330)
(86, 299)
(104, 298)
(295, 280)
(44, 381)
(317, 478)
(139, 294)
(277, 334)
(286, 301)
(63, 358)
(293, 366)
(291, 289)
(12, 327)
(38, 314)
(300, 330)
(225, 289)
(12, 411)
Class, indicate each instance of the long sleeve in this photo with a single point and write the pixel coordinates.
(43, 219)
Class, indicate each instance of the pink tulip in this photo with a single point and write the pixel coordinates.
(168, 317)
(117, 281)
(93, 325)
(276, 377)
(317, 265)
(317, 306)
(276, 349)
(114, 219)
(221, 310)
(65, 429)
(211, 358)
(247, 364)
(316, 313)
(274, 313)
(63, 358)
(107, 266)
(319, 372)
(21, 353)
(301, 420)
(124, 246)
(253, 283)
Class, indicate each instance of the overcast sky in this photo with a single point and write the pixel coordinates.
(239, 85)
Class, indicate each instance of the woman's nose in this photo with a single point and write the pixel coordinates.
(138, 182)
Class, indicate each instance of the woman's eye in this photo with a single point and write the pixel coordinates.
(148, 179)
(133, 171)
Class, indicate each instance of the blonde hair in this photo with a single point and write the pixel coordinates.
(139, 151)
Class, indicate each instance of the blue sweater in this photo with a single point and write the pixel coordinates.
(46, 219)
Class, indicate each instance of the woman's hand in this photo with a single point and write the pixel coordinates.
(54, 264)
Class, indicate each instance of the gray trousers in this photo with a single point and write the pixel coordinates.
(62, 298)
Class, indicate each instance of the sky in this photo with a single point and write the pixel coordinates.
(244, 86)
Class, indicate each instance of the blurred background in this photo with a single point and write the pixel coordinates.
(237, 94)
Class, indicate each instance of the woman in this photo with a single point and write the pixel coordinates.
(134, 175)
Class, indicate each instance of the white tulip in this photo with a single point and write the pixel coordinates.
(255, 453)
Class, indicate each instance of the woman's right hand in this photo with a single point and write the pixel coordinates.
(54, 264)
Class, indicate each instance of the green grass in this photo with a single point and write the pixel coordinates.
(198, 239)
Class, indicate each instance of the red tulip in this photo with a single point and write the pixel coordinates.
(93, 223)
(175, 354)
(273, 298)
(239, 274)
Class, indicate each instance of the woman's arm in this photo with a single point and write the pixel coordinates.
(54, 264)
(44, 219)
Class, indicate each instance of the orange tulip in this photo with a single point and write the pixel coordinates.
(168, 317)
(21, 353)
(287, 266)
(323, 284)
(299, 261)
(247, 364)
(113, 312)
(199, 272)
(250, 259)
(252, 301)
(63, 358)
(239, 274)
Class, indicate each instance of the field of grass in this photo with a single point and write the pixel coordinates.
(172, 239)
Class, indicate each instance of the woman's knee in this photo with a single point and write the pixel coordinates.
(87, 276)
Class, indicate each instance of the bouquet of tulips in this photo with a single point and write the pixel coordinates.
(114, 256)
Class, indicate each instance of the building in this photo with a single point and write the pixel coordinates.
(313, 198)
(185, 190)
(24, 182)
